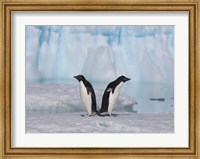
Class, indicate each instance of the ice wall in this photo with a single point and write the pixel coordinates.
(101, 53)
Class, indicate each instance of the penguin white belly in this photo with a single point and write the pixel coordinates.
(113, 98)
(86, 98)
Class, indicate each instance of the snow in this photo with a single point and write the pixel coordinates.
(123, 123)
(56, 108)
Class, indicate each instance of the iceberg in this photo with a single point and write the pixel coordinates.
(101, 53)
(100, 67)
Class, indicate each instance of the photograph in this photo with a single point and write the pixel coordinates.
(99, 79)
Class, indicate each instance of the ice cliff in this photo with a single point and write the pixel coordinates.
(101, 53)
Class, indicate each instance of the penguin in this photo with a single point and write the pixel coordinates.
(87, 95)
(111, 94)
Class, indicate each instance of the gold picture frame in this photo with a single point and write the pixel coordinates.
(8, 6)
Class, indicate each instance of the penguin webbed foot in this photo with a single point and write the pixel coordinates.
(89, 115)
(107, 115)
(93, 114)
(99, 114)
(85, 115)
(114, 115)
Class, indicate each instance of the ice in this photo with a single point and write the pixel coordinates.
(144, 53)
(32, 46)
(64, 98)
(57, 108)
(100, 60)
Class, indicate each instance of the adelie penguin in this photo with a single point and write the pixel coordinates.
(111, 94)
(87, 95)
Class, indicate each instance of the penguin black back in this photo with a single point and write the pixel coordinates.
(111, 89)
(89, 89)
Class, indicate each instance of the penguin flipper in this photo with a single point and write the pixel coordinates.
(89, 90)
(109, 89)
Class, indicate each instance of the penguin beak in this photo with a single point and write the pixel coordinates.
(76, 77)
(126, 79)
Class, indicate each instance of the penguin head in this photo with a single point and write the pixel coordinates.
(79, 77)
(123, 78)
